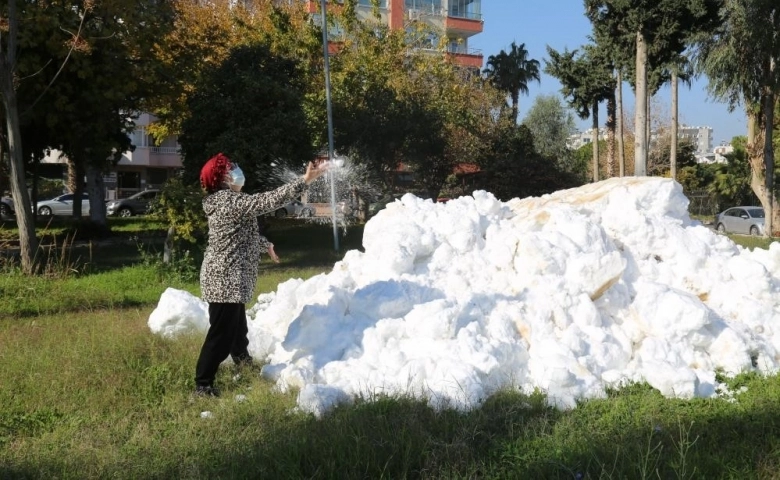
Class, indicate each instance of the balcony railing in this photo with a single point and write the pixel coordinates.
(466, 15)
(460, 50)
(164, 149)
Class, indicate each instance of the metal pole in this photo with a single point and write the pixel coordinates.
(331, 173)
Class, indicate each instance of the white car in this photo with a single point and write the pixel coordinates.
(745, 220)
(62, 205)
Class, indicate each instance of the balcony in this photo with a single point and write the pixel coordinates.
(463, 27)
(465, 57)
(162, 157)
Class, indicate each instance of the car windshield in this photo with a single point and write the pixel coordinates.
(756, 212)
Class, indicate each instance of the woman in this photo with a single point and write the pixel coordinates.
(230, 265)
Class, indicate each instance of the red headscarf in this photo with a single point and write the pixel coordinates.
(212, 175)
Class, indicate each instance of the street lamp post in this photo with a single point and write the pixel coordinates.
(331, 172)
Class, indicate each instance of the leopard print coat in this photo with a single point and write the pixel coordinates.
(231, 262)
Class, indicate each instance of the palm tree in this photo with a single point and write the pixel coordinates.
(511, 72)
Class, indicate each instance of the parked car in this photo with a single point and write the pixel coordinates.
(137, 204)
(62, 205)
(746, 220)
(296, 208)
(6, 207)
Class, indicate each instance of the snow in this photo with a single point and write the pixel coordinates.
(570, 294)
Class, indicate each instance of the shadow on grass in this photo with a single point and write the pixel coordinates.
(513, 436)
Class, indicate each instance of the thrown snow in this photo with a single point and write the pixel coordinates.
(569, 293)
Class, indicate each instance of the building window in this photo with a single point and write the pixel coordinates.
(424, 6)
(471, 9)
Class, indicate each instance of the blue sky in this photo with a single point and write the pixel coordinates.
(562, 24)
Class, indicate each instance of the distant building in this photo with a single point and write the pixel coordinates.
(699, 136)
(584, 138)
(148, 166)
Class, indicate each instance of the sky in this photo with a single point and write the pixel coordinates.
(562, 24)
(572, 293)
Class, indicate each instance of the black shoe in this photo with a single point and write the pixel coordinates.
(206, 391)
(246, 362)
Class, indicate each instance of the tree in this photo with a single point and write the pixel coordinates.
(251, 109)
(204, 34)
(511, 72)
(432, 114)
(741, 61)
(659, 27)
(551, 125)
(516, 170)
(586, 80)
(8, 64)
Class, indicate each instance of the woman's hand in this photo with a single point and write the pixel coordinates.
(313, 172)
(272, 254)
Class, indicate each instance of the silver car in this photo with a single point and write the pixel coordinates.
(745, 220)
(62, 205)
(295, 208)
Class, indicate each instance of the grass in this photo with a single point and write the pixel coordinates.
(94, 395)
(89, 392)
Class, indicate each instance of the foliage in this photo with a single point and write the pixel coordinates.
(659, 158)
(511, 72)
(431, 114)
(179, 206)
(551, 125)
(515, 169)
(250, 109)
(203, 36)
(585, 77)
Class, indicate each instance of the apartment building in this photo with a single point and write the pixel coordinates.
(147, 166)
(457, 20)
(699, 136)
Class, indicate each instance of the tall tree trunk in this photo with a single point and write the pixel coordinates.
(595, 136)
(756, 152)
(28, 244)
(515, 106)
(77, 187)
(97, 193)
(611, 135)
(640, 108)
(648, 128)
(72, 180)
(620, 146)
(769, 155)
(673, 139)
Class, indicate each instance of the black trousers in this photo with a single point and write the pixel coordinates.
(227, 335)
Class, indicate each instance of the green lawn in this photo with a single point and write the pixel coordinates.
(88, 392)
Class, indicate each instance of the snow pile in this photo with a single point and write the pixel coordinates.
(569, 293)
(179, 312)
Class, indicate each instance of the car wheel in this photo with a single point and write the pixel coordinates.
(754, 231)
(281, 213)
(125, 212)
(307, 213)
(5, 210)
(45, 211)
(721, 228)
